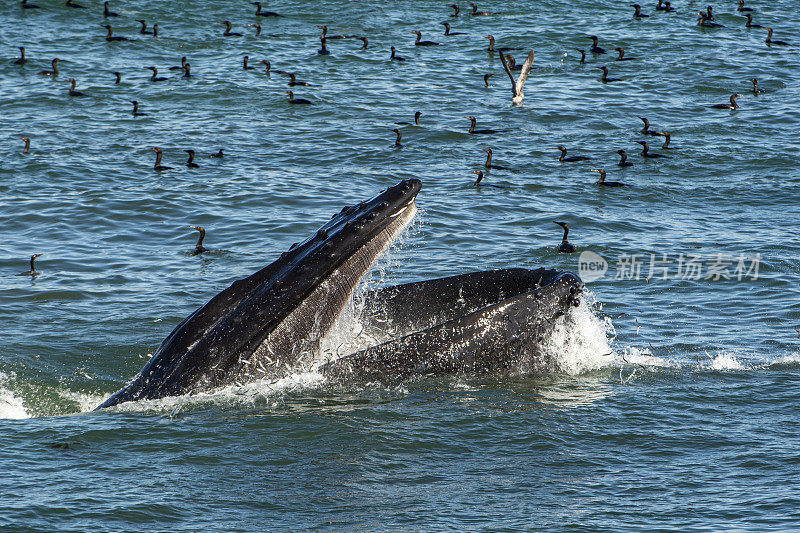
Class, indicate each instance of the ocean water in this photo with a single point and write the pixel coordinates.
(676, 403)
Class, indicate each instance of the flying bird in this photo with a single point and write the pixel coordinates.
(517, 85)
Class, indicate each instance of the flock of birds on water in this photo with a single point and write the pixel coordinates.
(663, 8)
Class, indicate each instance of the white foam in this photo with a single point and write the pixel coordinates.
(10, 405)
(725, 361)
(347, 335)
(791, 359)
(580, 341)
(261, 392)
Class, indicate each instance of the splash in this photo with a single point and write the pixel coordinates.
(261, 393)
(10, 406)
(84, 401)
(790, 360)
(391, 260)
(347, 335)
(580, 341)
(642, 357)
(721, 362)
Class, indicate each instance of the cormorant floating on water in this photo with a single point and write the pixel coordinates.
(416, 120)
(293, 100)
(422, 43)
(135, 111)
(749, 23)
(646, 151)
(602, 180)
(646, 130)
(228, 32)
(476, 132)
(32, 272)
(498, 49)
(565, 247)
(623, 159)
(489, 164)
(732, 105)
(21, 60)
(770, 42)
(475, 11)
(572, 159)
(143, 29)
(397, 142)
(72, 91)
(182, 66)
(107, 12)
(595, 49)
(53, 72)
(447, 31)
(260, 13)
(604, 78)
(190, 162)
(155, 76)
(158, 167)
(198, 248)
(110, 37)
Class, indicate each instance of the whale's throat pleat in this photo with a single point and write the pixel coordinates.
(295, 341)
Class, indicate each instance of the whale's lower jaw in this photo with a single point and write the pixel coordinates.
(503, 320)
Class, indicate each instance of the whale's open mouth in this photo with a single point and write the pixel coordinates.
(298, 337)
(273, 322)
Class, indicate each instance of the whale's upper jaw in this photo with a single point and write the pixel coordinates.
(280, 307)
(342, 236)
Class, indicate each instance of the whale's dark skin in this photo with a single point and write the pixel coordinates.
(473, 323)
(272, 323)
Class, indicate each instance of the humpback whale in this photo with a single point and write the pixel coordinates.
(273, 323)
